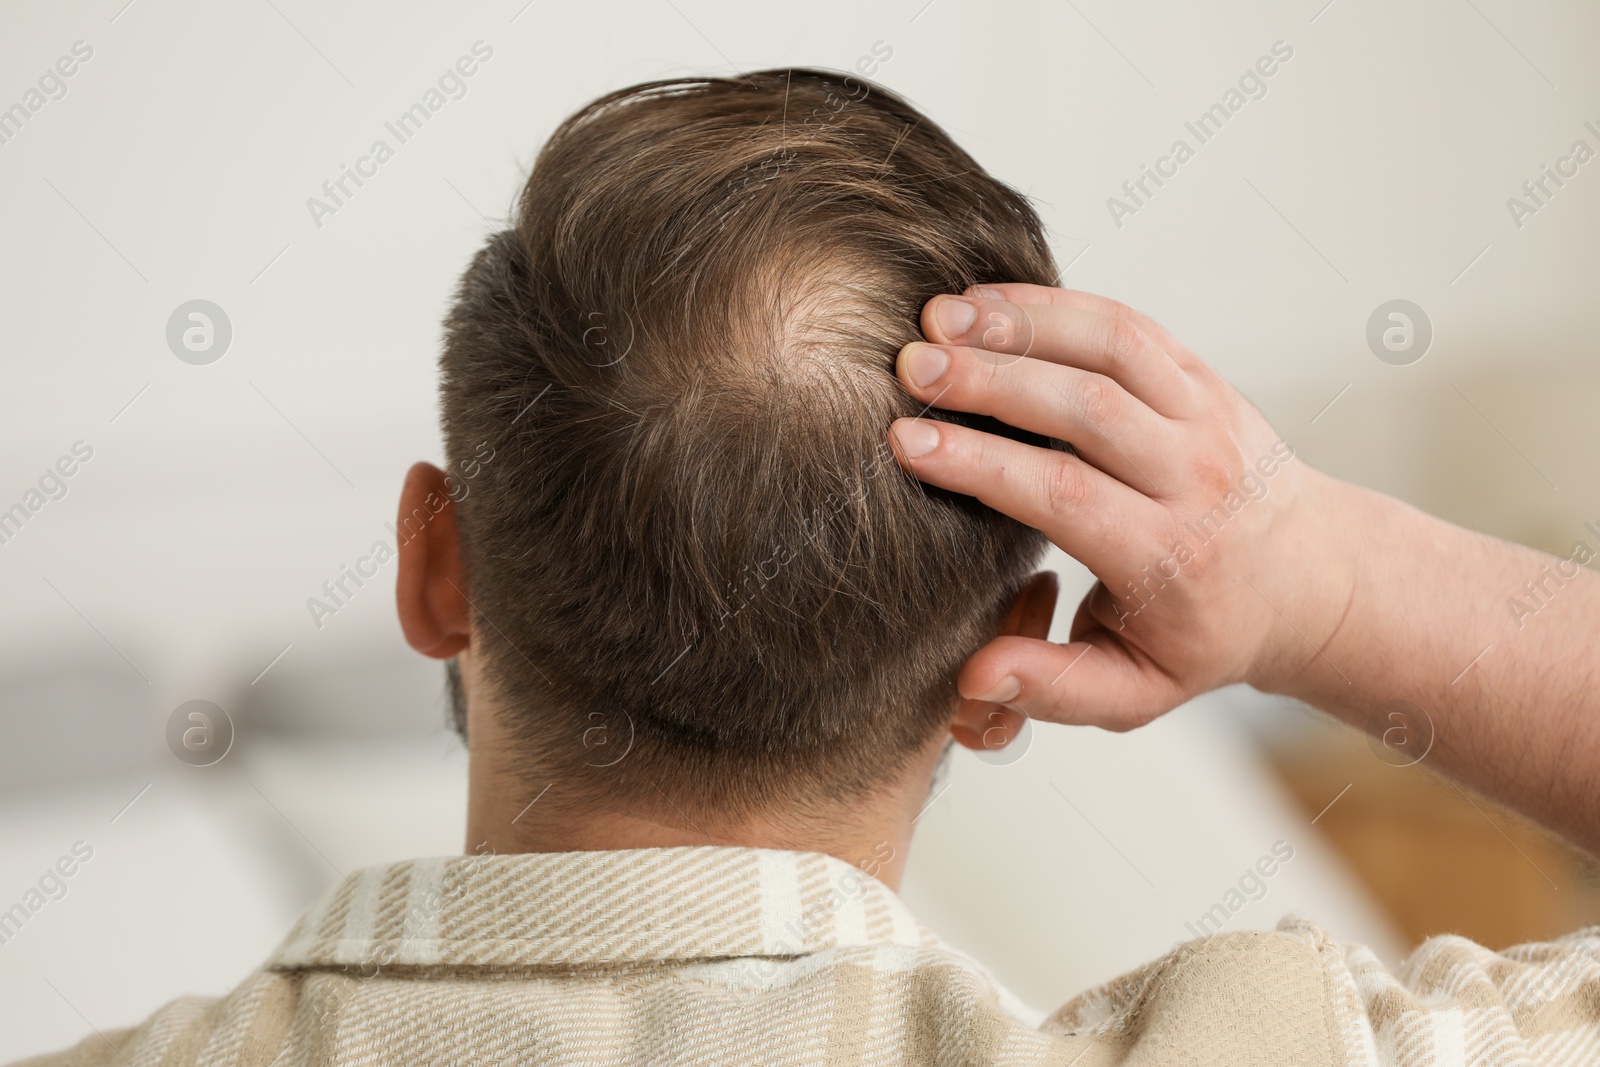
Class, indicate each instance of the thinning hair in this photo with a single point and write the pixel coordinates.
(697, 572)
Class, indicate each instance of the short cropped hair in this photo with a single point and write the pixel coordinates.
(692, 543)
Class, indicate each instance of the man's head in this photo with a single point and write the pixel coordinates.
(690, 540)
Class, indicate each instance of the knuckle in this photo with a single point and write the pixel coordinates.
(1122, 341)
(1099, 399)
(1118, 310)
(1202, 566)
(1212, 476)
(1066, 487)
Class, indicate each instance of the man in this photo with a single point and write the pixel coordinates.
(709, 639)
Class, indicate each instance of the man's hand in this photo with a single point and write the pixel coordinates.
(1216, 557)
(1223, 559)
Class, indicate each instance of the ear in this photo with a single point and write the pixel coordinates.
(430, 589)
(979, 724)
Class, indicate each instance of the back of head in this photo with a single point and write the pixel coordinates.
(692, 541)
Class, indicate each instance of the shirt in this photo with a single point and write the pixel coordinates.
(734, 955)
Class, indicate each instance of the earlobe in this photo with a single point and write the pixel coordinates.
(430, 586)
(985, 727)
(988, 727)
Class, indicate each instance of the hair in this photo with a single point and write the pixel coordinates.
(696, 572)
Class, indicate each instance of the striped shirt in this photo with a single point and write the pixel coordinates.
(733, 955)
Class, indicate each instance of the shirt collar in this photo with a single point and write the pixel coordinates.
(597, 908)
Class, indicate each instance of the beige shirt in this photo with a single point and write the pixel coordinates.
(751, 956)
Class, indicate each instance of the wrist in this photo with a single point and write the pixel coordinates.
(1329, 541)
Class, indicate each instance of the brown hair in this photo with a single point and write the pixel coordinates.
(692, 543)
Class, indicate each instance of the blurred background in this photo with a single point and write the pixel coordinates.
(231, 473)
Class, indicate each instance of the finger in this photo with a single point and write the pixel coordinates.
(1096, 681)
(1024, 293)
(1090, 340)
(1106, 425)
(1087, 513)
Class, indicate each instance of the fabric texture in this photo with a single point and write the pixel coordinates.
(733, 955)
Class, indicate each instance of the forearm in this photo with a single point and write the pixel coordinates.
(1493, 642)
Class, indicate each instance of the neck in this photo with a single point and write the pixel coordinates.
(510, 811)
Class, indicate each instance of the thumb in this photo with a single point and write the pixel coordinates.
(1094, 680)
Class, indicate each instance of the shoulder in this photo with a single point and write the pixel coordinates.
(253, 1016)
(1302, 996)
(1224, 999)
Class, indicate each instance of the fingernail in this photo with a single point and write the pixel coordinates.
(916, 437)
(955, 316)
(1003, 691)
(926, 364)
